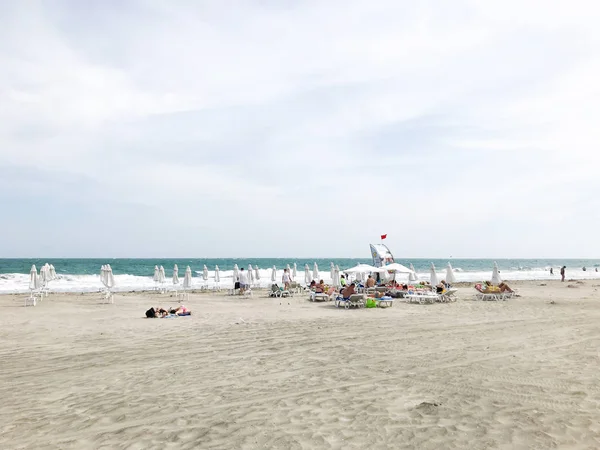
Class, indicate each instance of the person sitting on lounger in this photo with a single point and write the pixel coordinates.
(346, 293)
(440, 287)
(489, 288)
(320, 288)
(370, 282)
(313, 284)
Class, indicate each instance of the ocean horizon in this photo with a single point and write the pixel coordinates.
(135, 274)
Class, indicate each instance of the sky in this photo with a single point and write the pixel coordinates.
(282, 128)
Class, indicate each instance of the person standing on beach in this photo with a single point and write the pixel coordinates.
(243, 281)
(562, 273)
(551, 271)
(286, 279)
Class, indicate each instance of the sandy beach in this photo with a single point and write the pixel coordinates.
(249, 373)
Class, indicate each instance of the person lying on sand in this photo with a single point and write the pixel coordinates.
(180, 311)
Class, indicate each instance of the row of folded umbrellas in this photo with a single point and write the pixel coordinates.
(40, 280)
(47, 273)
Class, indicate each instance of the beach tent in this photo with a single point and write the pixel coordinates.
(450, 278)
(413, 275)
(496, 274)
(433, 276)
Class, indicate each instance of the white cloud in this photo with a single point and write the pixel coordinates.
(305, 128)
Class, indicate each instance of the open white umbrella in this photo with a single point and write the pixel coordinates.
(307, 276)
(175, 275)
(496, 274)
(450, 278)
(364, 268)
(274, 274)
(316, 272)
(413, 275)
(433, 276)
(295, 272)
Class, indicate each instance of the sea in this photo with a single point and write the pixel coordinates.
(83, 275)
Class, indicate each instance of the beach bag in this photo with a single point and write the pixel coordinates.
(237, 285)
(371, 303)
(151, 313)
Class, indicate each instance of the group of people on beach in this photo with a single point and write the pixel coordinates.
(159, 312)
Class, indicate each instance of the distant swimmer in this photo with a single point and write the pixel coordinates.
(551, 271)
(583, 269)
(562, 273)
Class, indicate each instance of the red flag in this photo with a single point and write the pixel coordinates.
(383, 236)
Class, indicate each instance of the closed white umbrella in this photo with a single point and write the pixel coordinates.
(295, 272)
(433, 276)
(236, 271)
(257, 273)
(413, 275)
(161, 274)
(331, 270)
(156, 277)
(307, 276)
(315, 272)
(335, 279)
(205, 273)
(450, 278)
(110, 279)
(250, 275)
(496, 274)
(175, 275)
(187, 278)
(52, 272)
(274, 274)
(103, 275)
(43, 277)
(34, 281)
(217, 275)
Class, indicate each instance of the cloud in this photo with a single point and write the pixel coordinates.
(299, 128)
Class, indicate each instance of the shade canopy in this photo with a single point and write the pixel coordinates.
(364, 268)
(397, 268)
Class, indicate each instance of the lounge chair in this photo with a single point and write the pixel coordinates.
(449, 295)
(356, 300)
(423, 298)
(276, 291)
(491, 296)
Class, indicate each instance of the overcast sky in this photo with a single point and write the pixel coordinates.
(141, 128)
